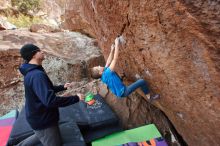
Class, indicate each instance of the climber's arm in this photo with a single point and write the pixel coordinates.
(115, 58)
(109, 60)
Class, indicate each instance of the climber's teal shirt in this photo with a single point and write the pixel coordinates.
(113, 81)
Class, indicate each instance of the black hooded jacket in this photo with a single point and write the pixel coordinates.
(41, 104)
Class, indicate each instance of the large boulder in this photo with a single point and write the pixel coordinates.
(175, 46)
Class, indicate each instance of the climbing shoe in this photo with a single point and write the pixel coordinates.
(154, 97)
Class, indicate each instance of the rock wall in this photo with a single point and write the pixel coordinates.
(5, 3)
(73, 18)
(175, 46)
(10, 85)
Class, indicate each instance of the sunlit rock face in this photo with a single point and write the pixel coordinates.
(175, 46)
(73, 18)
(4, 24)
(52, 10)
(4, 4)
(69, 56)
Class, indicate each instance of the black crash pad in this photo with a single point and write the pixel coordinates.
(71, 134)
(97, 115)
(94, 121)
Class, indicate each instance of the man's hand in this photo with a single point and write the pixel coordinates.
(67, 85)
(81, 96)
(67, 94)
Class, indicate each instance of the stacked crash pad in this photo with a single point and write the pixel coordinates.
(94, 121)
(79, 123)
(147, 135)
(6, 124)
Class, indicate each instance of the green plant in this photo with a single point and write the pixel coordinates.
(24, 21)
(26, 5)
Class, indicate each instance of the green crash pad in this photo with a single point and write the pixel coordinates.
(133, 135)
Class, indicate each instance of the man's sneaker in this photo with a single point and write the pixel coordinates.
(154, 97)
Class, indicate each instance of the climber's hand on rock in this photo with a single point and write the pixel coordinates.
(66, 94)
(81, 96)
(67, 85)
(112, 47)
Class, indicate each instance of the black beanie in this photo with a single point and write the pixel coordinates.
(28, 51)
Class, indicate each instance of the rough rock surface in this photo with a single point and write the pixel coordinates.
(5, 3)
(52, 10)
(175, 46)
(43, 28)
(68, 57)
(73, 18)
(10, 86)
(4, 24)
